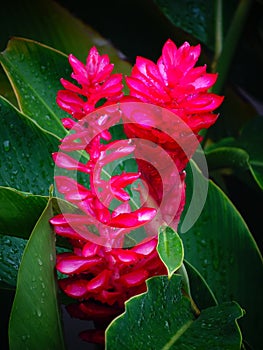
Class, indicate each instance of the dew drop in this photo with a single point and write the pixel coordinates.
(40, 262)
(25, 337)
(167, 325)
(6, 145)
(203, 242)
(39, 313)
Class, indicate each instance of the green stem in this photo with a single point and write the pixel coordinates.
(224, 61)
(218, 32)
(186, 284)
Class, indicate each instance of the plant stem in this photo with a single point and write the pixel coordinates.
(223, 63)
(218, 32)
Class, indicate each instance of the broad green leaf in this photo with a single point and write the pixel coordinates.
(162, 318)
(35, 71)
(241, 153)
(170, 249)
(19, 212)
(201, 293)
(221, 248)
(251, 140)
(227, 157)
(11, 250)
(197, 18)
(35, 317)
(18, 215)
(49, 23)
(6, 89)
(25, 152)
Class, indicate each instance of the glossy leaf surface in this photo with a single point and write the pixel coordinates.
(19, 212)
(11, 250)
(26, 161)
(35, 71)
(163, 319)
(170, 249)
(35, 316)
(216, 246)
(197, 17)
(49, 23)
(243, 153)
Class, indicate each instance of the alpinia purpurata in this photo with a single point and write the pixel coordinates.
(102, 273)
(96, 83)
(173, 83)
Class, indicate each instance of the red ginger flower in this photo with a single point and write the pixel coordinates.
(98, 271)
(94, 203)
(176, 85)
(96, 84)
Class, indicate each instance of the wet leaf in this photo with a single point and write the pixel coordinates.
(26, 163)
(11, 250)
(197, 17)
(163, 319)
(35, 71)
(216, 246)
(201, 293)
(19, 212)
(18, 215)
(35, 316)
(170, 249)
(251, 141)
(49, 23)
(241, 153)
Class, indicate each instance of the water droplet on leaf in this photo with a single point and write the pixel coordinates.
(6, 145)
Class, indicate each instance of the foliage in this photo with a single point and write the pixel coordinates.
(219, 257)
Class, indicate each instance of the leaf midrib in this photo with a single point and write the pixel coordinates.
(177, 335)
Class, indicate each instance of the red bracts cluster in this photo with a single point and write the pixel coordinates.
(101, 272)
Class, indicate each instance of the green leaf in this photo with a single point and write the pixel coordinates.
(49, 23)
(35, 71)
(18, 216)
(25, 152)
(251, 141)
(19, 212)
(35, 317)
(196, 18)
(201, 293)
(170, 249)
(162, 318)
(216, 246)
(241, 153)
(11, 250)
(227, 157)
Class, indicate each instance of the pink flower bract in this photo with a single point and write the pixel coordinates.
(101, 272)
(96, 83)
(174, 83)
